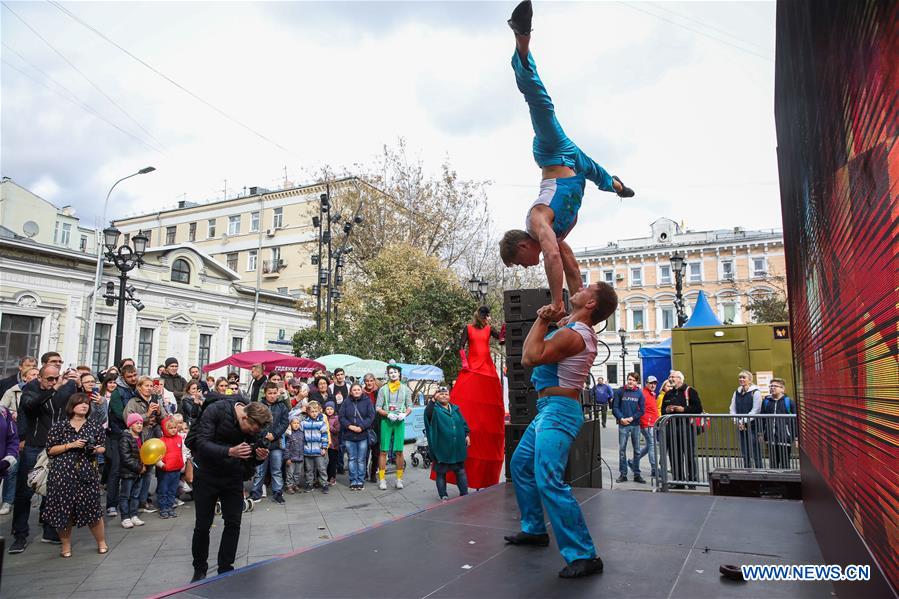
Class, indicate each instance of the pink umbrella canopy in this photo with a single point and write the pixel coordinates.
(271, 361)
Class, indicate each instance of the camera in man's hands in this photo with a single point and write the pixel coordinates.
(90, 444)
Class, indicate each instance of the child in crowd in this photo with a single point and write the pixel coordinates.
(169, 468)
(294, 455)
(448, 441)
(333, 441)
(131, 471)
(315, 446)
(187, 472)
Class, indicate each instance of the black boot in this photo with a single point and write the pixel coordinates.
(523, 538)
(521, 18)
(198, 575)
(581, 567)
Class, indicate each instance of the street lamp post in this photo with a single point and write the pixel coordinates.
(622, 334)
(99, 270)
(478, 289)
(125, 259)
(677, 265)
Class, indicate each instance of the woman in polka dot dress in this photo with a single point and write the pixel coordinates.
(73, 484)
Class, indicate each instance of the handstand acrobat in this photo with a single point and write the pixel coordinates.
(565, 170)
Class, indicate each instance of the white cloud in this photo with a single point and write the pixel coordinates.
(685, 120)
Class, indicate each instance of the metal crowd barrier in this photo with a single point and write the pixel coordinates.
(691, 446)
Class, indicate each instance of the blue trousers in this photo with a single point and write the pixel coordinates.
(272, 463)
(129, 495)
(167, 489)
(551, 145)
(750, 447)
(630, 432)
(9, 484)
(357, 451)
(537, 467)
(650, 448)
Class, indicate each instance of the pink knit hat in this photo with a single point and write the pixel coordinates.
(132, 418)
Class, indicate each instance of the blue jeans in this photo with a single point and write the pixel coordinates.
(458, 469)
(22, 503)
(357, 451)
(273, 463)
(537, 467)
(129, 496)
(167, 489)
(112, 468)
(145, 486)
(750, 447)
(632, 432)
(551, 145)
(650, 448)
(9, 484)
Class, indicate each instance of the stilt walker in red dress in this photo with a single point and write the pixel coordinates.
(479, 395)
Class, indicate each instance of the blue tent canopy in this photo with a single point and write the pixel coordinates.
(657, 358)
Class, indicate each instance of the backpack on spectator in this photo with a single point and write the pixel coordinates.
(700, 423)
(787, 403)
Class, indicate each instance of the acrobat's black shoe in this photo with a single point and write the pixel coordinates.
(523, 538)
(521, 18)
(581, 567)
(626, 192)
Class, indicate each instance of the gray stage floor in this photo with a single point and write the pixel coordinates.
(653, 545)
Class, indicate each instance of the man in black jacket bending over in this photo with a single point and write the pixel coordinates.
(225, 453)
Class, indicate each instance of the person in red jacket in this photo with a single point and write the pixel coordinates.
(169, 468)
(648, 421)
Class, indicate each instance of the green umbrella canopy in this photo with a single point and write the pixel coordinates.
(363, 367)
(332, 361)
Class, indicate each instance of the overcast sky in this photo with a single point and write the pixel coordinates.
(676, 98)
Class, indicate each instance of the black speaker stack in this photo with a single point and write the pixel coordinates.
(520, 310)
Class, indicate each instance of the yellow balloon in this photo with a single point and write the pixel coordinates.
(152, 451)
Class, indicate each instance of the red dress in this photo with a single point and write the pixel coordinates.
(479, 395)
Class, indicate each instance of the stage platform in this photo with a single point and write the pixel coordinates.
(653, 545)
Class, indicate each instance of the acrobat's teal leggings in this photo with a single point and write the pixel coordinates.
(537, 467)
(551, 145)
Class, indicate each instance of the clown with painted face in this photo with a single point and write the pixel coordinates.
(394, 404)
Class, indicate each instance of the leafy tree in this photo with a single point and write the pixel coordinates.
(408, 307)
(769, 307)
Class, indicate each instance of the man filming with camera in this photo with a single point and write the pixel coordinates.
(226, 450)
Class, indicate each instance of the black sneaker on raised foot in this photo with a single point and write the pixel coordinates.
(521, 18)
(640, 479)
(626, 192)
(198, 575)
(18, 546)
(581, 567)
(621, 479)
(523, 538)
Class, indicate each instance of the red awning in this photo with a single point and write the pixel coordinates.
(271, 361)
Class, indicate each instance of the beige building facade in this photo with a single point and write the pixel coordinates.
(730, 266)
(266, 237)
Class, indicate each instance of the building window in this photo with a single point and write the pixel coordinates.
(664, 274)
(668, 318)
(192, 232)
(612, 374)
(282, 290)
(276, 255)
(231, 259)
(729, 310)
(695, 273)
(19, 336)
(145, 350)
(236, 348)
(128, 239)
(636, 371)
(234, 225)
(149, 235)
(638, 316)
(102, 335)
(83, 245)
(181, 271)
(205, 349)
(210, 228)
(251, 260)
(170, 235)
(727, 270)
(609, 277)
(254, 221)
(585, 278)
(612, 322)
(759, 267)
(637, 276)
(65, 234)
(278, 218)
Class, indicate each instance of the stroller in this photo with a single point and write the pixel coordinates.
(421, 454)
